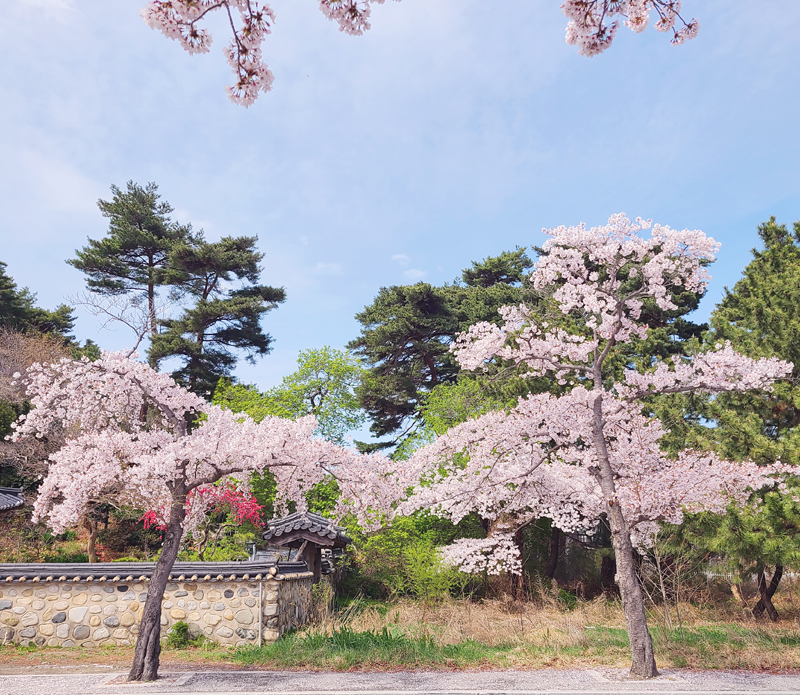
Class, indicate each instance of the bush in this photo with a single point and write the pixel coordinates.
(427, 577)
(178, 637)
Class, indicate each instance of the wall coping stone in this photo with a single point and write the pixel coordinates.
(142, 571)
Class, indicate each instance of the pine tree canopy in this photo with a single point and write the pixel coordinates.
(407, 331)
(134, 256)
(222, 319)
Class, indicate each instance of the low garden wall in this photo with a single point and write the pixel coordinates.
(95, 604)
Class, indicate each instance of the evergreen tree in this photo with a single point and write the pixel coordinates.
(761, 318)
(407, 331)
(19, 312)
(134, 257)
(222, 319)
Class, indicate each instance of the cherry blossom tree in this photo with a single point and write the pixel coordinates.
(592, 27)
(134, 437)
(591, 452)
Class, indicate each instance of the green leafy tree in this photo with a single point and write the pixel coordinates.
(407, 331)
(134, 257)
(323, 385)
(223, 318)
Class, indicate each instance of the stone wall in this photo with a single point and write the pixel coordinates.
(287, 604)
(92, 613)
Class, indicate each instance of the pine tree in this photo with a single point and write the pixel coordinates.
(133, 258)
(222, 319)
(407, 331)
(761, 318)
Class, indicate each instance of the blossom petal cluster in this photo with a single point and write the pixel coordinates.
(532, 462)
(593, 24)
(179, 19)
(493, 555)
(251, 23)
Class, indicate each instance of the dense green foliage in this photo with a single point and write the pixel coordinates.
(407, 331)
(760, 316)
(323, 385)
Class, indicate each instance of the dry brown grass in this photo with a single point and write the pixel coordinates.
(545, 631)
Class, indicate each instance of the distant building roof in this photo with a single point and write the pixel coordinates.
(307, 526)
(135, 571)
(10, 498)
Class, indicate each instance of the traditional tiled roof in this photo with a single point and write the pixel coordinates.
(308, 522)
(136, 571)
(11, 497)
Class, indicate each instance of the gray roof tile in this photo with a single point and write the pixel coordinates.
(305, 521)
(10, 498)
(132, 571)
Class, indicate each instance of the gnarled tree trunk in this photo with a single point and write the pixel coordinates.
(643, 660)
(148, 642)
(767, 591)
(91, 543)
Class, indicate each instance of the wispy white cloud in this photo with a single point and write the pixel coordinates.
(414, 274)
(59, 185)
(328, 269)
(401, 259)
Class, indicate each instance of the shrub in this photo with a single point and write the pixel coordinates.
(178, 637)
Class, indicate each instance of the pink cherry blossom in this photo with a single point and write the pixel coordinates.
(251, 22)
(592, 27)
(593, 24)
(134, 437)
(591, 453)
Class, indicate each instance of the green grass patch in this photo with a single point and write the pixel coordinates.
(345, 649)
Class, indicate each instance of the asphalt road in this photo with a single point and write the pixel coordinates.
(541, 682)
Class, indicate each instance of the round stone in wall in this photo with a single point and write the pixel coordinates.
(244, 617)
(59, 617)
(80, 632)
(246, 634)
(112, 621)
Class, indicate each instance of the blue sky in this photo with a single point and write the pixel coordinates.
(453, 130)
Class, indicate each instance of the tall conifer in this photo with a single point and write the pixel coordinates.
(133, 258)
(761, 318)
(222, 319)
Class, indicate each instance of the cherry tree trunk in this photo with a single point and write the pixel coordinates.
(148, 642)
(643, 660)
(91, 542)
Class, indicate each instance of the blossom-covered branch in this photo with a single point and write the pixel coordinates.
(592, 27)
(593, 24)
